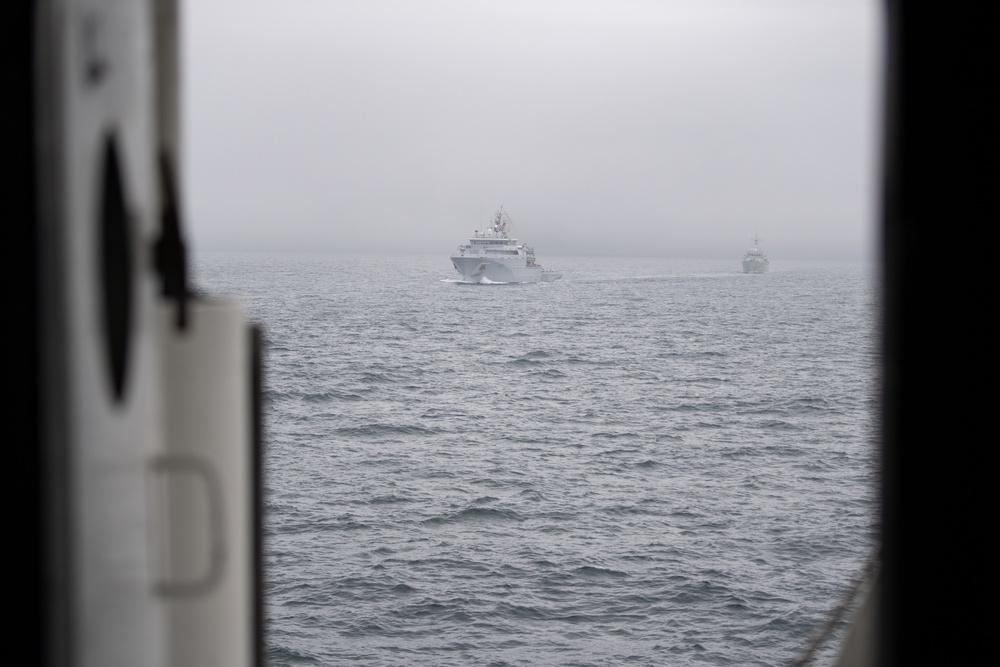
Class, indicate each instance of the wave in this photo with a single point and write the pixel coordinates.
(388, 500)
(329, 396)
(484, 281)
(593, 571)
(475, 514)
(532, 357)
(607, 435)
(374, 430)
(283, 655)
(403, 589)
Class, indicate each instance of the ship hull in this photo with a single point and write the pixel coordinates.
(755, 266)
(485, 270)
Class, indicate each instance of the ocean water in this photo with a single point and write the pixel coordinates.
(648, 462)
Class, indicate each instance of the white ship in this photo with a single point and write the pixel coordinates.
(494, 255)
(755, 261)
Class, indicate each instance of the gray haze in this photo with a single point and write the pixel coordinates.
(677, 129)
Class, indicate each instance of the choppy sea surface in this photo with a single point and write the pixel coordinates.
(648, 462)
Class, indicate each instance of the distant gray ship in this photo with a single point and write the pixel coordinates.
(494, 256)
(755, 261)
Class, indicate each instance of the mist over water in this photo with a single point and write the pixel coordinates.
(603, 127)
(648, 462)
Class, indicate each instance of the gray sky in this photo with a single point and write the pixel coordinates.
(668, 128)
